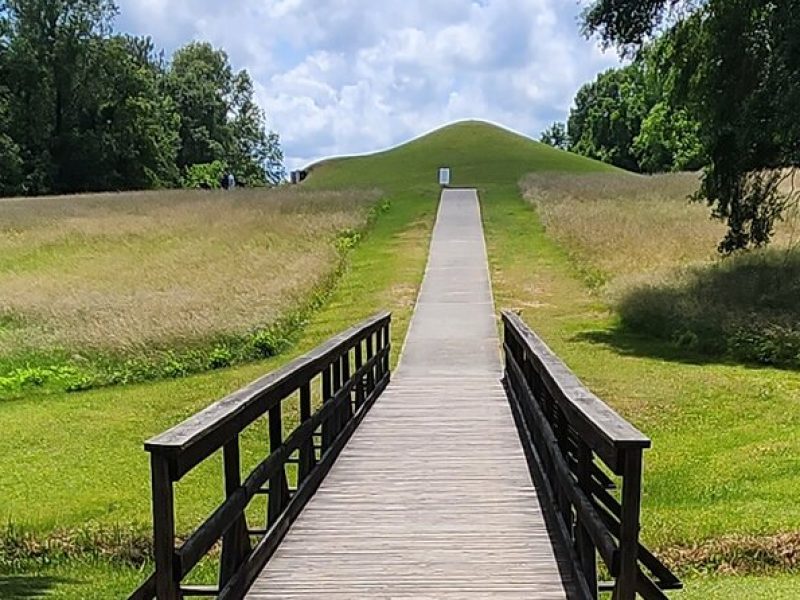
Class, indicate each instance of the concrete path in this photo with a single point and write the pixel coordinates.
(431, 498)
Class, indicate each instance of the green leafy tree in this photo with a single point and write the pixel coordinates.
(82, 109)
(632, 118)
(556, 136)
(200, 82)
(49, 43)
(608, 115)
(220, 120)
(10, 160)
(669, 139)
(205, 175)
(738, 68)
(256, 155)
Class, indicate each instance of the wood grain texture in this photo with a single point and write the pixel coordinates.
(432, 496)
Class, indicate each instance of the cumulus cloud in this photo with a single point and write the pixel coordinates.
(350, 76)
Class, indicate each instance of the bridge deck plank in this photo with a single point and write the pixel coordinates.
(432, 497)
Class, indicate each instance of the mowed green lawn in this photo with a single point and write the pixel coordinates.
(725, 457)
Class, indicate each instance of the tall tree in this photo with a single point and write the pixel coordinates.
(200, 82)
(256, 155)
(127, 134)
(49, 46)
(607, 117)
(739, 63)
(10, 160)
(82, 109)
(632, 118)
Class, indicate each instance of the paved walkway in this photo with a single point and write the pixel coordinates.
(431, 498)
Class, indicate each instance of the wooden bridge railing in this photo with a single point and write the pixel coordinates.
(349, 371)
(578, 446)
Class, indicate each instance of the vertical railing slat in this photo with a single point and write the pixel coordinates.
(327, 437)
(359, 362)
(278, 485)
(307, 453)
(236, 541)
(587, 555)
(167, 575)
(625, 588)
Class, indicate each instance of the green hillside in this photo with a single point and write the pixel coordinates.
(478, 153)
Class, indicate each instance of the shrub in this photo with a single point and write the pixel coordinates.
(204, 175)
(744, 308)
(220, 357)
(268, 342)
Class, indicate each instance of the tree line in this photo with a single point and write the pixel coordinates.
(714, 84)
(83, 108)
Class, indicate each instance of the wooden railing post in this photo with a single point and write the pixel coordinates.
(347, 403)
(587, 555)
(561, 429)
(386, 343)
(371, 370)
(359, 362)
(327, 437)
(235, 541)
(278, 485)
(629, 525)
(167, 575)
(307, 455)
(336, 415)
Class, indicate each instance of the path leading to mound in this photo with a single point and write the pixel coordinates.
(432, 497)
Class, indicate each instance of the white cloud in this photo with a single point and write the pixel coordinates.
(348, 76)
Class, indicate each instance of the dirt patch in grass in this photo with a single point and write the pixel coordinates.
(738, 555)
(124, 545)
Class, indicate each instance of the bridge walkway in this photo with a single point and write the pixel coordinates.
(431, 497)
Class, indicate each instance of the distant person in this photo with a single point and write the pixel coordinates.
(225, 180)
(231, 181)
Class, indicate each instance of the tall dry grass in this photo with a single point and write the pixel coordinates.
(126, 272)
(627, 224)
(652, 254)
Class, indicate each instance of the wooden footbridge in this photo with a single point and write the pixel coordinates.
(465, 477)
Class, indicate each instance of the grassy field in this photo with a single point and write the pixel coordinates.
(115, 288)
(721, 476)
(651, 254)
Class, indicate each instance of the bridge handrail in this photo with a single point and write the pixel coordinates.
(352, 370)
(565, 428)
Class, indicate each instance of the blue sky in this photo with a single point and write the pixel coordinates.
(350, 76)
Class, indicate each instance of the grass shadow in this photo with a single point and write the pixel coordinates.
(627, 343)
(20, 587)
(741, 310)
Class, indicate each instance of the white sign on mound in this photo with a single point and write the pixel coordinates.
(444, 176)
